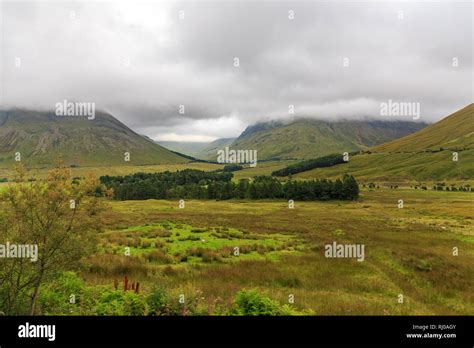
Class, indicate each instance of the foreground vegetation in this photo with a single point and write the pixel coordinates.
(55, 223)
(409, 251)
(244, 257)
(158, 301)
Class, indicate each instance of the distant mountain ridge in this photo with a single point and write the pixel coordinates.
(441, 151)
(42, 139)
(309, 138)
(302, 138)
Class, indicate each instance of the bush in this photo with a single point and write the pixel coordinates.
(250, 302)
(158, 301)
(55, 297)
(110, 303)
(118, 302)
(134, 304)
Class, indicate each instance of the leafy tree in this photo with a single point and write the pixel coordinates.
(350, 187)
(58, 216)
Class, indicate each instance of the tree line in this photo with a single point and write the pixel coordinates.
(320, 162)
(196, 184)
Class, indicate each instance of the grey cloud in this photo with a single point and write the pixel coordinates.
(141, 61)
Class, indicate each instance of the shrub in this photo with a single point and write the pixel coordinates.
(250, 302)
(55, 297)
(110, 303)
(117, 302)
(133, 304)
(158, 301)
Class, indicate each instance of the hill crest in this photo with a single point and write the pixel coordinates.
(42, 138)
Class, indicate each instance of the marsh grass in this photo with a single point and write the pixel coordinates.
(408, 251)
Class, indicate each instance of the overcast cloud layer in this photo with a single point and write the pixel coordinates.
(140, 61)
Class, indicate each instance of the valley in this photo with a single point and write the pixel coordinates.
(407, 251)
(210, 256)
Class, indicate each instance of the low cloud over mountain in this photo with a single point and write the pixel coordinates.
(141, 61)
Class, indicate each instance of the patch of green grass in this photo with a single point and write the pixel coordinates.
(215, 243)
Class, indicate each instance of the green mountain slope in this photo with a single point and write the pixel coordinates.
(416, 156)
(42, 138)
(210, 151)
(305, 139)
(455, 131)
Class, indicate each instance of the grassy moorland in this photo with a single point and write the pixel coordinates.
(98, 171)
(225, 256)
(408, 251)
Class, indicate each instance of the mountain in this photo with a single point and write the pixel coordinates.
(455, 131)
(307, 138)
(185, 147)
(210, 151)
(42, 138)
(426, 155)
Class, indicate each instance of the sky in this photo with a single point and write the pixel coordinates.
(168, 69)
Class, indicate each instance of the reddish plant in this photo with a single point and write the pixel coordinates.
(125, 283)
